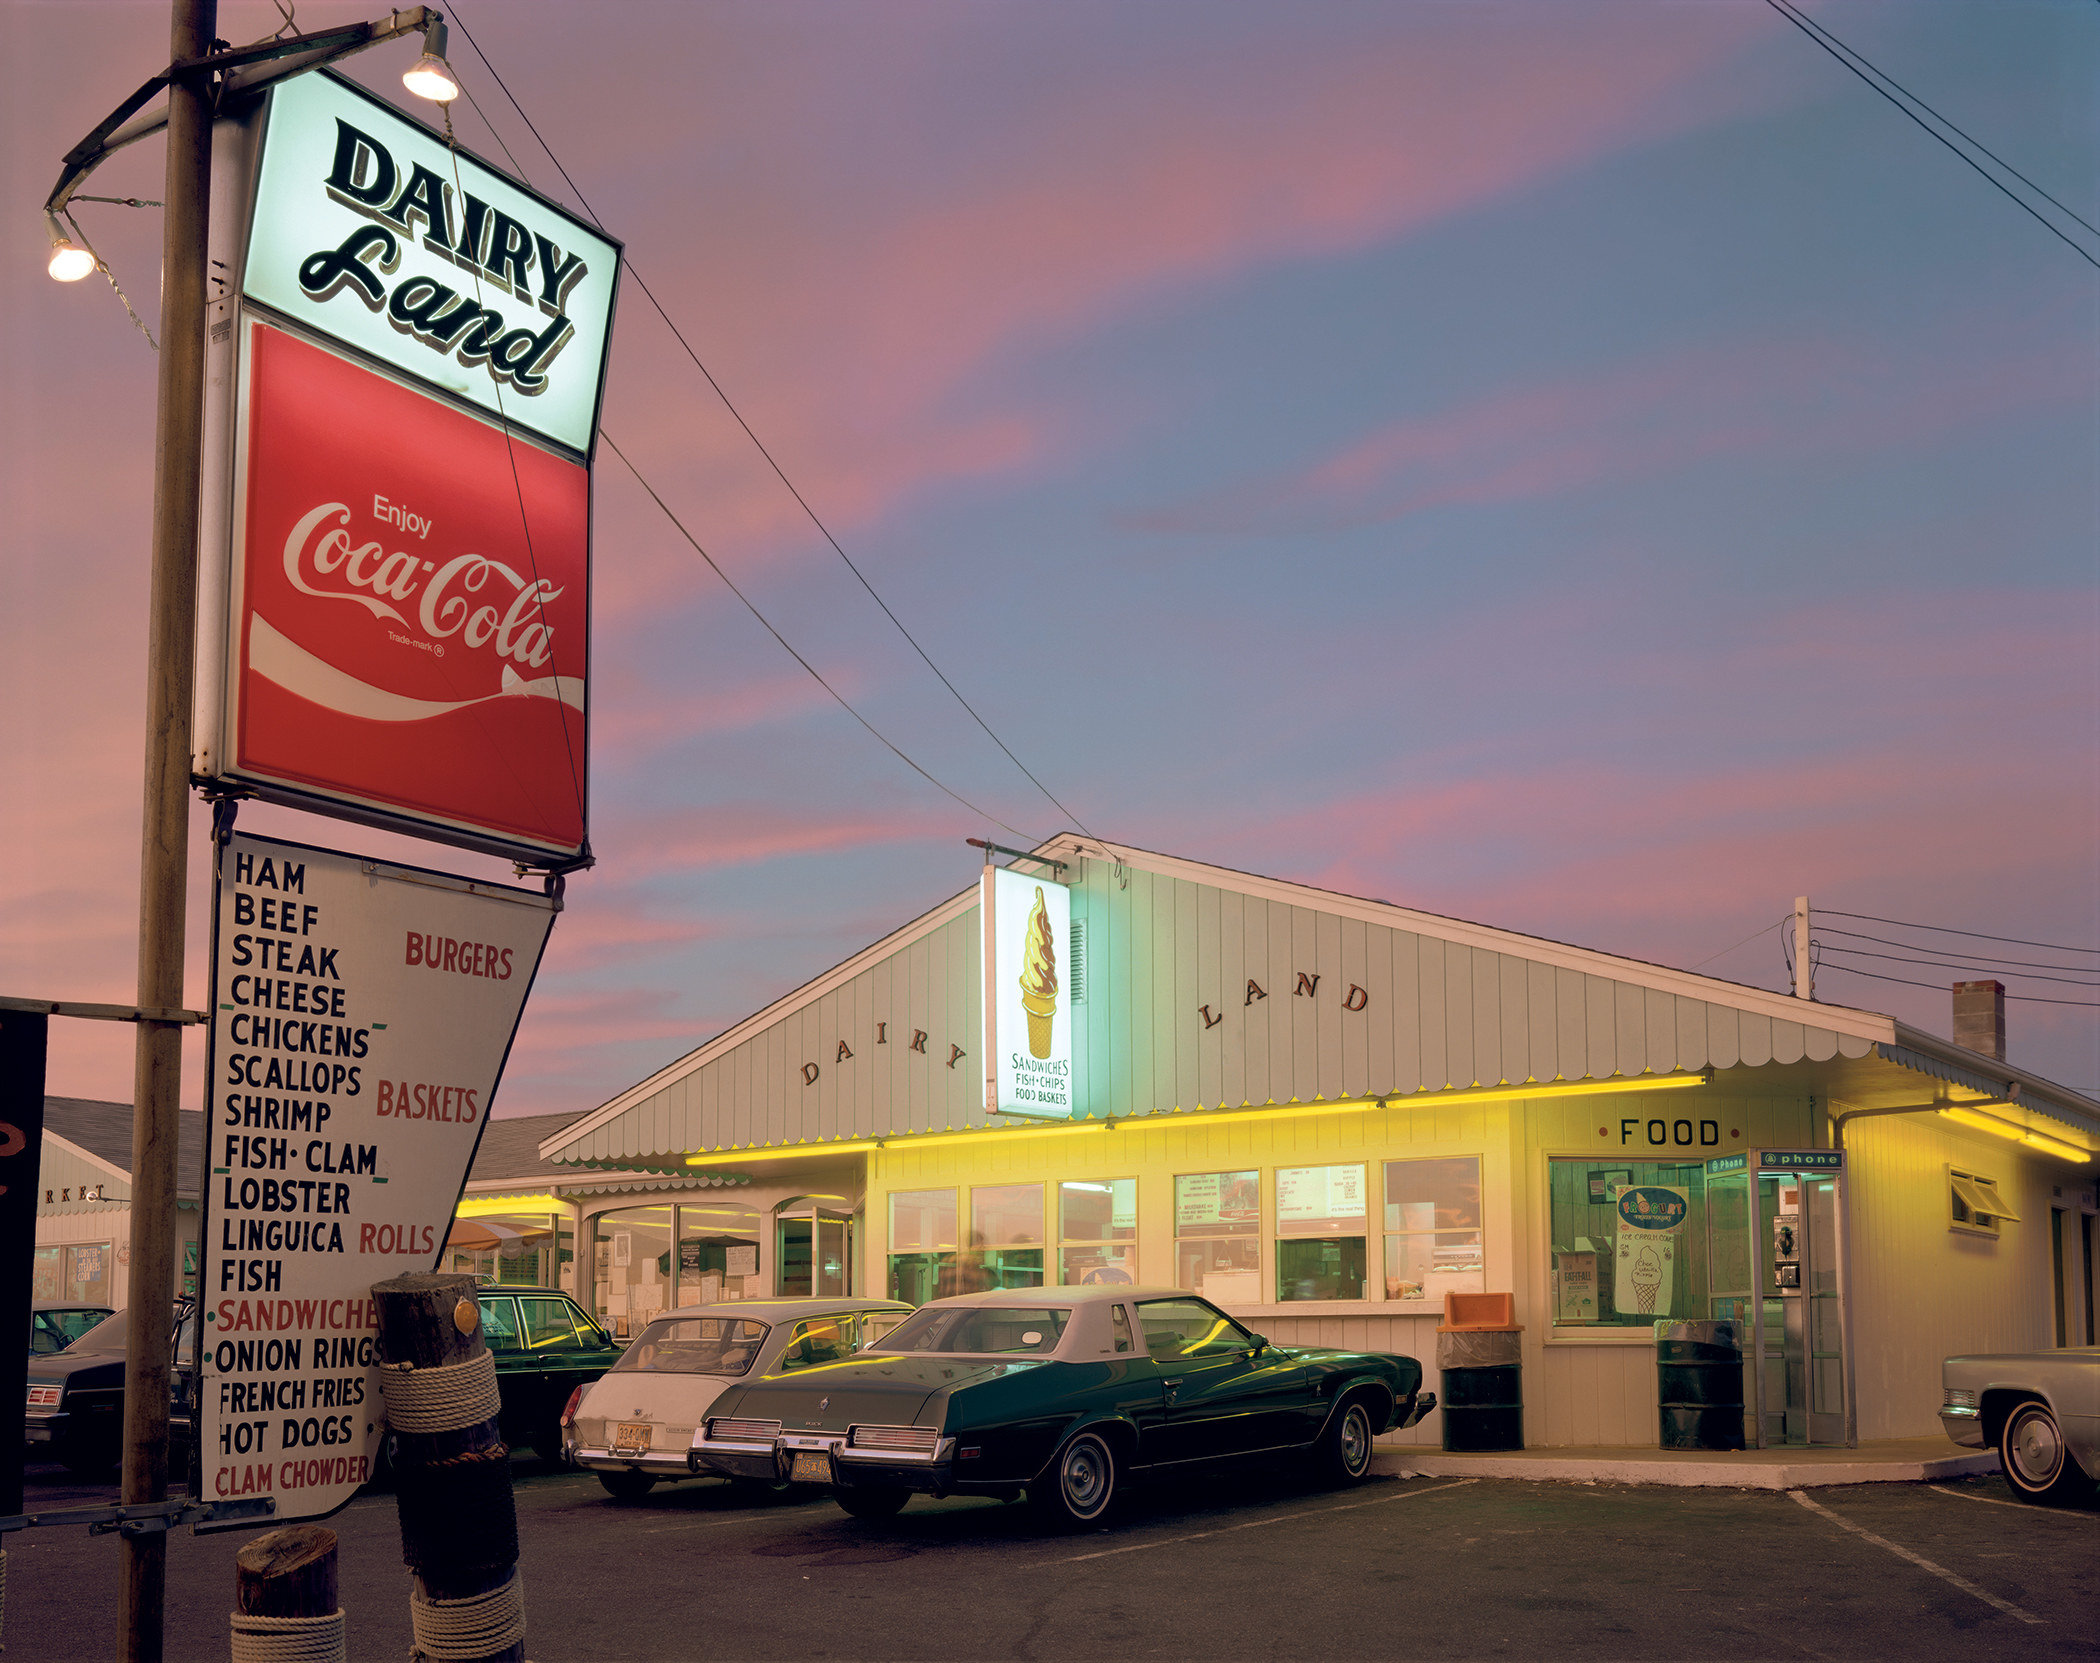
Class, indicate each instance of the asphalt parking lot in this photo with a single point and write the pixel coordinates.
(1253, 1565)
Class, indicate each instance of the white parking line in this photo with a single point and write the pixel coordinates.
(2023, 1506)
(1256, 1524)
(1919, 1560)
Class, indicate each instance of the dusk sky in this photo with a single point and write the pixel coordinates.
(1591, 468)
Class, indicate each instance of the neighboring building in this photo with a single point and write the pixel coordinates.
(1326, 1112)
(83, 1209)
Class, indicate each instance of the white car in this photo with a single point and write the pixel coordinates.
(634, 1425)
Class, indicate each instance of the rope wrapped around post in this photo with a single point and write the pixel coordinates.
(459, 1520)
(443, 1399)
(480, 1625)
(290, 1639)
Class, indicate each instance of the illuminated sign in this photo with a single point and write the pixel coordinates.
(1027, 1001)
(407, 609)
(368, 227)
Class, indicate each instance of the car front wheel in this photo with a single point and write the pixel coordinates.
(1080, 1486)
(2037, 1463)
(1343, 1454)
(626, 1485)
(871, 1503)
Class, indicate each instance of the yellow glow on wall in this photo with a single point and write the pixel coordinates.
(732, 1157)
(2013, 1133)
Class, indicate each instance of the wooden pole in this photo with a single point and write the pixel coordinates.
(171, 625)
(459, 1520)
(288, 1573)
(23, 1037)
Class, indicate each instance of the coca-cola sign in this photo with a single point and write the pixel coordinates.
(368, 227)
(409, 612)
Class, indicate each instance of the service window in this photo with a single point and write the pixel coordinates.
(499, 1323)
(547, 1324)
(1432, 1229)
(1320, 1232)
(1217, 1235)
(1629, 1241)
(922, 1243)
(1097, 1232)
(1189, 1328)
(1006, 1238)
(875, 1324)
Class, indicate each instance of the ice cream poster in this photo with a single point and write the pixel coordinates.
(1651, 1220)
(1029, 999)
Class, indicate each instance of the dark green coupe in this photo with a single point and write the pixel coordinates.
(1058, 1392)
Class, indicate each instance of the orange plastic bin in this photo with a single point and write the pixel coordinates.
(1480, 1357)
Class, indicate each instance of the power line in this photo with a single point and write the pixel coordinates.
(1956, 964)
(1725, 951)
(779, 472)
(1824, 35)
(1979, 958)
(1844, 55)
(815, 674)
(2024, 998)
(1946, 929)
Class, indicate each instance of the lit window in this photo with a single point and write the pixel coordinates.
(1097, 1232)
(922, 1243)
(1432, 1229)
(1320, 1232)
(1217, 1235)
(1974, 1204)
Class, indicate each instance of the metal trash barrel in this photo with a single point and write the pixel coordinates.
(1483, 1388)
(1699, 1385)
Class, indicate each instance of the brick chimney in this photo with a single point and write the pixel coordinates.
(1979, 1017)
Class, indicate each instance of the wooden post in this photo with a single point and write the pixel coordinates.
(288, 1573)
(459, 1520)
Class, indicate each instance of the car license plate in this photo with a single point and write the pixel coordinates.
(632, 1438)
(810, 1468)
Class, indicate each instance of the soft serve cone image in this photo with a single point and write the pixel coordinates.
(1039, 978)
(1647, 1278)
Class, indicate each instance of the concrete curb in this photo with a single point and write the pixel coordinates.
(1726, 1474)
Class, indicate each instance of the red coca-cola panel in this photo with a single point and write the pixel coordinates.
(413, 603)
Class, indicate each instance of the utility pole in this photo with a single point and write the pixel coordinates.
(1804, 971)
(164, 831)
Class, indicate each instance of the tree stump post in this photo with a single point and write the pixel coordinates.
(459, 1520)
(288, 1574)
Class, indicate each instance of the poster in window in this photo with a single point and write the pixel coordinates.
(623, 1249)
(1319, 1194)
(742, 1261)
(1650, 1220)
(1206, 1200)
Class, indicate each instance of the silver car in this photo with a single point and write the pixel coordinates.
(635, 1423)
(2039, 1409)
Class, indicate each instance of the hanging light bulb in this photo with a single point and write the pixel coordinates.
(69, 261)
(431, 77)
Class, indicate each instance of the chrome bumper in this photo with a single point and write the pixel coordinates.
(1423, 1403)
(844, 1464)
(1964, 1425)
(660, 1463)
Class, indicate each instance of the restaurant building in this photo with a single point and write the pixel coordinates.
(1324, 1113)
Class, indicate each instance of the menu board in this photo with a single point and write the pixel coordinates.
(1209, 1203)
(1319, 1194)
(362, 1013)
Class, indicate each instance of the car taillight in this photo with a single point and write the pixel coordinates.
(568, 1414)
(45, 1397)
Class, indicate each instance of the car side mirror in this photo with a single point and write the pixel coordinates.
(1261, 1344)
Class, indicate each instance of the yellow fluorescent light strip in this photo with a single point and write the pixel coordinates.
(491, 1206)
(1213, 1117)
(2013, 1133)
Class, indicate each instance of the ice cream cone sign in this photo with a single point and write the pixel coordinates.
(1650, 1219)
(1039, 977)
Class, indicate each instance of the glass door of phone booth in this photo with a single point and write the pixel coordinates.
(1776, 1219)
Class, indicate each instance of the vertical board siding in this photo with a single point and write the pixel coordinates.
(1438, 1016)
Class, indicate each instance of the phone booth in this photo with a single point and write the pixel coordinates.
(814, 1248)
(1777, 1225)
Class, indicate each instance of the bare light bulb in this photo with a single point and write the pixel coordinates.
(431, 77)
(70, 262)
